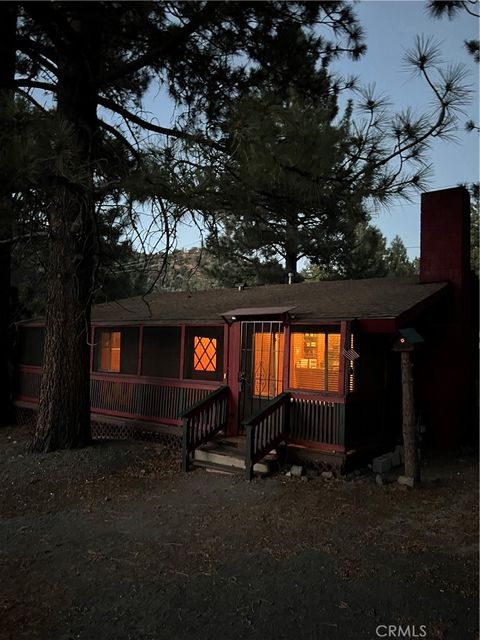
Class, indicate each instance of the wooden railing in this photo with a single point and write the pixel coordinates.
(202, 421)
(148, 399)
(154, 400)
(314, 420)
(265, 430)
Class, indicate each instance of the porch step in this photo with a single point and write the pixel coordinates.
(227, 454)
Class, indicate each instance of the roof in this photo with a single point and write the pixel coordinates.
(324, 300)
(243, 312)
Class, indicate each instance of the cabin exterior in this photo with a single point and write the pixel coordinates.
(309, 365)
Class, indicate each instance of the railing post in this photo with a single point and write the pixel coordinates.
(287, 409)
(185, 464)
(341, 427)
(249, 452)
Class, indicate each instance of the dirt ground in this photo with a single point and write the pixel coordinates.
(114, 543)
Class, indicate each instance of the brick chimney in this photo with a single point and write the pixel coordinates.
(445, 238)
(446, 370)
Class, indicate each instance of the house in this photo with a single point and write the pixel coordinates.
(309, 364)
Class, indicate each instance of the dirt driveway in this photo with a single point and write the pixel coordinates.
(113, 543)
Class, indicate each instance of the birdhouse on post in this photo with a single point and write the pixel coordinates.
(407, 341)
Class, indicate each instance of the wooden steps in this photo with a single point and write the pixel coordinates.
(226, 454)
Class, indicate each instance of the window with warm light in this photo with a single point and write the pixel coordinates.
(268, 364)
(116, 350)
(315, 360)
(110, 351)
(204, 353)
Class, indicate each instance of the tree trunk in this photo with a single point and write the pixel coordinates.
(412, 466)
(8, 24)
(291, 247)
(64, 407)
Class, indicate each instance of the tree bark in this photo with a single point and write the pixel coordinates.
(412, 466)
(64, 406)
(291, 247)
(8, 23)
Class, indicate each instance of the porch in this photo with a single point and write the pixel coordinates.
(197, 415)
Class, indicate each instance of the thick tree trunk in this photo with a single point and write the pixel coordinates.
(64, 408)
(8, 23)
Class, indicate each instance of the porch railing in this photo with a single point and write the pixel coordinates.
(265, 430)
(314, 420)
(202, 421)
(146, 399)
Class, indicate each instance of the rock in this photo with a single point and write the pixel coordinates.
(405, 481)
(328, 475)
(289, 474)
(380, 464)
(304, 478)
(296, 471)
(379, 479)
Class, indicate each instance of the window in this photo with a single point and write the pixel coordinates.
(161, 351)
(116, 350)
(315, 360)
(204, 353)
(268, 364)
(110, 351)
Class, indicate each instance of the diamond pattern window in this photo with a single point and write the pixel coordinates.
(204, 354)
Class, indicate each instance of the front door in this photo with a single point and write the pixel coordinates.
(261, 366)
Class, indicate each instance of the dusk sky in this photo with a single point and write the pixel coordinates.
(391, 27)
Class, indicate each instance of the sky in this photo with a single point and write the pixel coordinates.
(391, 27)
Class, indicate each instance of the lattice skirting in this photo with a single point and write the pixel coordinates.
(25, 417)
(111, 431)
(108, 430)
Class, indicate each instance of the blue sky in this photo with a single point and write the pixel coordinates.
(391, 27)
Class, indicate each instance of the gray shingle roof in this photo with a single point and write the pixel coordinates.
(326, 300)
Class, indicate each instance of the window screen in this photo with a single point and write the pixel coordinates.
(31, 342)
(204, 353)
(161, 351)
(315, 360)
(116, 350)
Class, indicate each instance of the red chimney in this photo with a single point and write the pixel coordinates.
(446, 369)
(445, 237)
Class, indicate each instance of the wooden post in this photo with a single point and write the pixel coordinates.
(412, 466)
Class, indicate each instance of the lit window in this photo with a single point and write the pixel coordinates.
(268, 364)
(110, 351)
(315, 361)
(204, 354)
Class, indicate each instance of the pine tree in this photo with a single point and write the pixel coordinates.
(104, 55)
